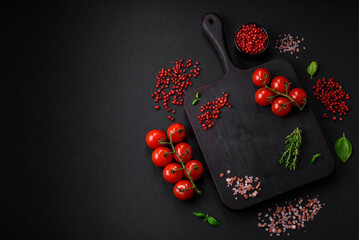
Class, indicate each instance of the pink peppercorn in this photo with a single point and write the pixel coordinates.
(177, 80)
(251, 39)
(211, 110)
(331, 94)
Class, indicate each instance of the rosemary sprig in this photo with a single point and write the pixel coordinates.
(292, 144)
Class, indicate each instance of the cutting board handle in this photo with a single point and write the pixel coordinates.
(212, 28)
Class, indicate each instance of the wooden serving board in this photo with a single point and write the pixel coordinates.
(248, 139)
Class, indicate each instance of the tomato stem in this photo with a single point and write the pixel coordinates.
(165, 154)
(181, 161)
(283, 106)
(175, 170)
(194, 168)
(282, 94)
(182, 190)
(161, 142)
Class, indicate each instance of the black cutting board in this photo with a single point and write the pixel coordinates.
(248, 139)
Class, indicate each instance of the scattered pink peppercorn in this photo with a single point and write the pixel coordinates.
(331, 94)
(211, 110)
(172, 84)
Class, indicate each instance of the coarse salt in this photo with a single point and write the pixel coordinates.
(290, 216)
(244, 186)
(288, 44)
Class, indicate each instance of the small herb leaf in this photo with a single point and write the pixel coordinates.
(312, 68)
(195, 101)
(343, 148)
(213, 221)
(199, 214)
(197, 95)
(314, 158)
(207, 218)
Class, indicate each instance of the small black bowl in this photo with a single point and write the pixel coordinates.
(254, 55)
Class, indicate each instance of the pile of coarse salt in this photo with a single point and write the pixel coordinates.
(288, 44)
(290, 217)
(248, 186)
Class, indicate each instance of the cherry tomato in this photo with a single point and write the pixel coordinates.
(186, 194)
(281, 106)
(162, 156)
(153, 137)
(175, 176)
(195, 168)
(259, 75)
(178, 136)
(264, 96)
(184, 152)
(280, 84)
(298, 95)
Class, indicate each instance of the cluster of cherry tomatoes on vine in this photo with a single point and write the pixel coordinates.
(277, 93)
(182, 153)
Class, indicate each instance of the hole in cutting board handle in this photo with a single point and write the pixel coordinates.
(211, 21)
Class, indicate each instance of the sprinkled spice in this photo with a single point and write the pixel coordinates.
(289, 217)
(172, 84)
(248, 186)
(211, 110)
(333, 97)
(289, 44)
(251, 39)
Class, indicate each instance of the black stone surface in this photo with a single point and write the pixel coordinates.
(77, 79)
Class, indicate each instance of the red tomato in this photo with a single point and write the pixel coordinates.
(184, 152)
(186, 194)
(298, 95)
(259, 75)
(162, 156)
(153, 137)
(280, 84)
(195, 168)
(281, 106)
(172, 177)
(178, 136)
(264, 96)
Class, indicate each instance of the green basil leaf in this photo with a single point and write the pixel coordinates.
(197, 95)
(199, 214)
(343, 148)
(195, 101)
(312, 68)
(213, 221)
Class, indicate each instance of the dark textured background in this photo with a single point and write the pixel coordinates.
(77, 79)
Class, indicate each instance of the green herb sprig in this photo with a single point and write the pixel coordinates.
(197, 99)
(292, 144)
(314, 158)
(207, 218)
(343, 148)
(312, 68)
